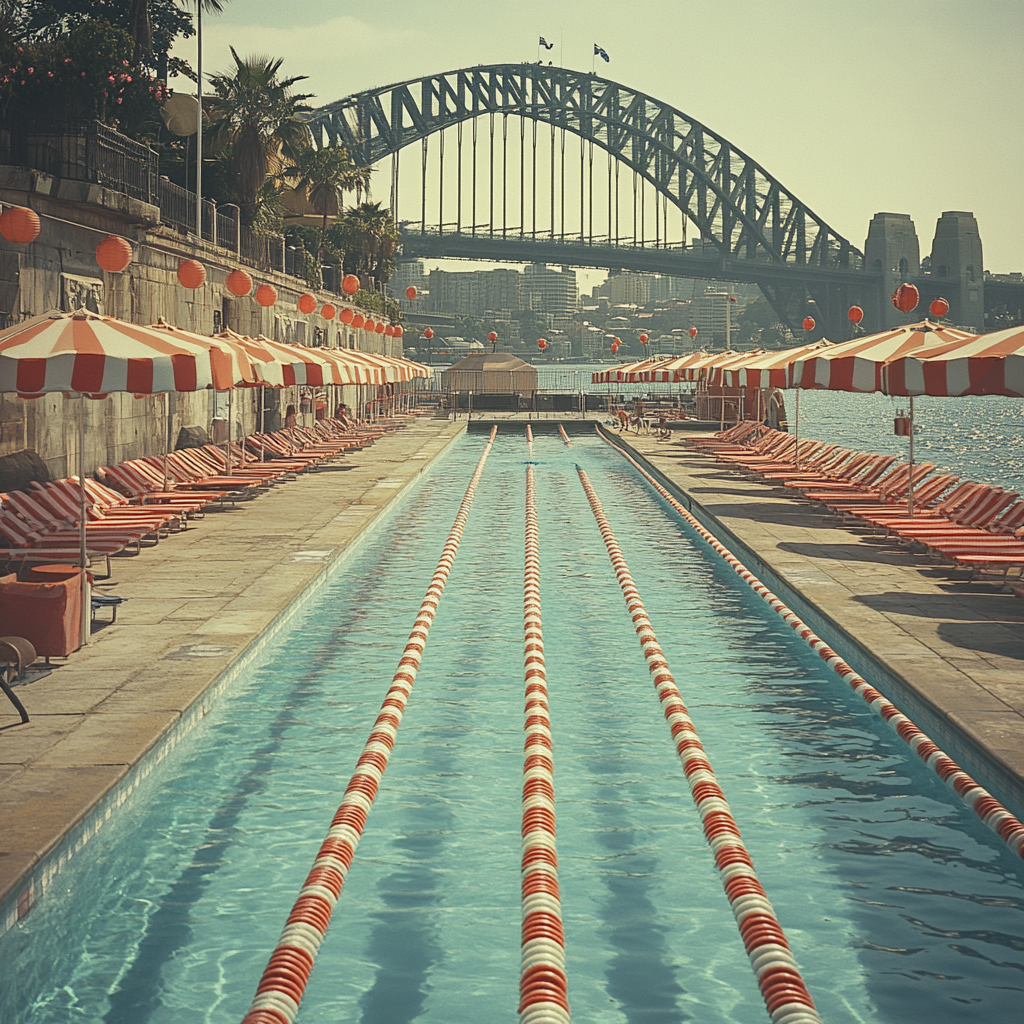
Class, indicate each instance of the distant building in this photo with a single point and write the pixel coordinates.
(409, 274)
(628, 288)
(545, 290)
(715, 317)
(475, 292)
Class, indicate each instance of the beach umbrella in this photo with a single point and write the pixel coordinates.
(986, 364)
(665, 371)
(617, 374)
(93, 355)
(856, 366)
(769, 370)
(638, 369)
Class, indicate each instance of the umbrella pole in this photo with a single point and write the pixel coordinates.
(167, 432)
(231, 430)
(84, 636)
(910, 489)
(797, 431)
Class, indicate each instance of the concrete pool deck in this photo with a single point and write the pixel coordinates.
(197, 602)
(949, 653)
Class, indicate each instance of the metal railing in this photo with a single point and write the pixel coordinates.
(101, 156)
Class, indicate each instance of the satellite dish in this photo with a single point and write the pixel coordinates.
(179, 113)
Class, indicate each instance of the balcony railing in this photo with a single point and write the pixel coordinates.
(102, 156)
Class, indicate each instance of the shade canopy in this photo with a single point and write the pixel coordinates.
(95, 354)
(987, 364)
(618, 374)
(665, 371)
(856, 365)
(767, 369)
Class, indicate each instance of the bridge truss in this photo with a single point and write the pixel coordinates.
(750, 227)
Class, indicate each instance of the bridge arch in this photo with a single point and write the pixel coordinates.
(731, 199)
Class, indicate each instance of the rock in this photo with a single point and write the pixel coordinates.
(18, 470)
(192, 437)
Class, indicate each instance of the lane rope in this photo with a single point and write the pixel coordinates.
(543, 992)
(995, 816)
(565, 436)
(285, 978)
(778, 977)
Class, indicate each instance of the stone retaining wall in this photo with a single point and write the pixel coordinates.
(59, 271)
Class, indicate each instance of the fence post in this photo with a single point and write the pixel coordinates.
(237, 240)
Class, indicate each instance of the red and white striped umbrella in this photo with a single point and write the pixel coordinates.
(665, 371)
(95, 354)
(701, 369)
(769, 369)
(717, 371)
(616, 374)
(988, 364)
(856, 365)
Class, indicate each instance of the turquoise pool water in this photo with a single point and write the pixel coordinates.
(900, 906)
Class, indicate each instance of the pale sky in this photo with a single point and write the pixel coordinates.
(856, 106)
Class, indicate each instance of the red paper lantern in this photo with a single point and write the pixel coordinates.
(855, 315)
(306, 303)
(428, 334)
(410, 293)
(19, 224)
(387, 331)
(693, 332)
(906, 298)
(346, 315)
(239, 282)
(114, 253)
(808, 323)
(191, 274)
(357, 321)
(938, 308)
(492, 336)
(266, 295)
(350, 285)
(379, 327)
(398, 330)
(369, 325)
(541, 343)
(328, 311)
(643, 339)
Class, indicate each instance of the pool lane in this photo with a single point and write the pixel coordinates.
(899, 906)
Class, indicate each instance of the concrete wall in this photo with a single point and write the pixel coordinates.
(59, 271)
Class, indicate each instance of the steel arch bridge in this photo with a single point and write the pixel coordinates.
(758, 229)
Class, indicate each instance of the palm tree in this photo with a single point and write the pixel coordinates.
(260, 118)
(369, 237)
(323, 175)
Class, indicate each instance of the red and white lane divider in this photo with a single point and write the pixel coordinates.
(529, 439)
(543, 996)
(284, 981)
(1008, 827)
(778, 976)
(565, 436)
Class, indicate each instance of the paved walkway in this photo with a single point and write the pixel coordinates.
(954, 650)
(196, 602)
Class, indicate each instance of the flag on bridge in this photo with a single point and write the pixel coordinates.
(543, 42)
(599, 51)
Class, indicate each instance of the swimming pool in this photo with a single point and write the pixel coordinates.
(900, 906)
